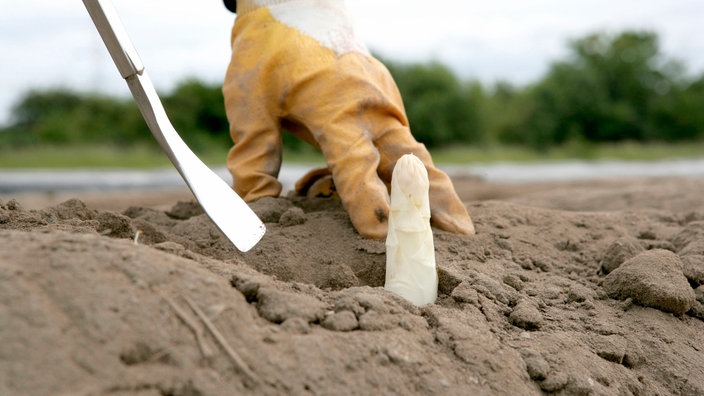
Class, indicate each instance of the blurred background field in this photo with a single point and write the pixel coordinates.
(612, 96)
(150, 156)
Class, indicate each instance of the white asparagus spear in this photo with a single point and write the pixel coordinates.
(410, 252)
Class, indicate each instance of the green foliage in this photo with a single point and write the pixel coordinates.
(62, 116)
(441, 109)
(611, 88)
(197, 111)
(678, 116)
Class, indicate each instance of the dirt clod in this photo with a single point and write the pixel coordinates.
(652, 279)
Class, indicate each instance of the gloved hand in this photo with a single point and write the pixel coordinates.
(297, 65)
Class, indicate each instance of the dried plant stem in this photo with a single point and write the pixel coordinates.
(236, 359)
(197, 330)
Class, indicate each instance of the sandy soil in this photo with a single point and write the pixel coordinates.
(584, 288)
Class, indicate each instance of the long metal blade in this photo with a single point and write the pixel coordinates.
(227, 209)
(115, 37)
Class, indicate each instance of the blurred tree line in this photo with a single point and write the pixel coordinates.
(610, 88)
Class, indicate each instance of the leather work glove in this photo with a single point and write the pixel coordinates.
(297, 66)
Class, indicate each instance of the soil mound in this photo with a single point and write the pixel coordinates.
(157, 302)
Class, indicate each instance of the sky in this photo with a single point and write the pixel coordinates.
(53, 43)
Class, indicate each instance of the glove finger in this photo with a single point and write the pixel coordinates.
(304, 184)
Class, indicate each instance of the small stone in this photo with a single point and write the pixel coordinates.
(526, 316)
(652, 279)
(270, 209)
(694, 231)
(694, 268)
(401, 355)
(464, 293)
(697, 310)
(370, 301)
(375, 321)
(699, 294)
(610, 347)
(634, 356)
(184, 210)
(542, 263)
(494, 289)
(514, 281)
(649, 235)
(296, 325)
(72, 209)
(547, 292)
(538, 368)
(293, 216)
(277, 306)
(555, 382)
(13, 205)
(620, 250)
(579, 293)
(695, 247)
(448, 280)
(652, 245)
(115, 225)
(341, 321)
(349, 303)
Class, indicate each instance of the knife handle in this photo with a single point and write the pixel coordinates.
(115, 37)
